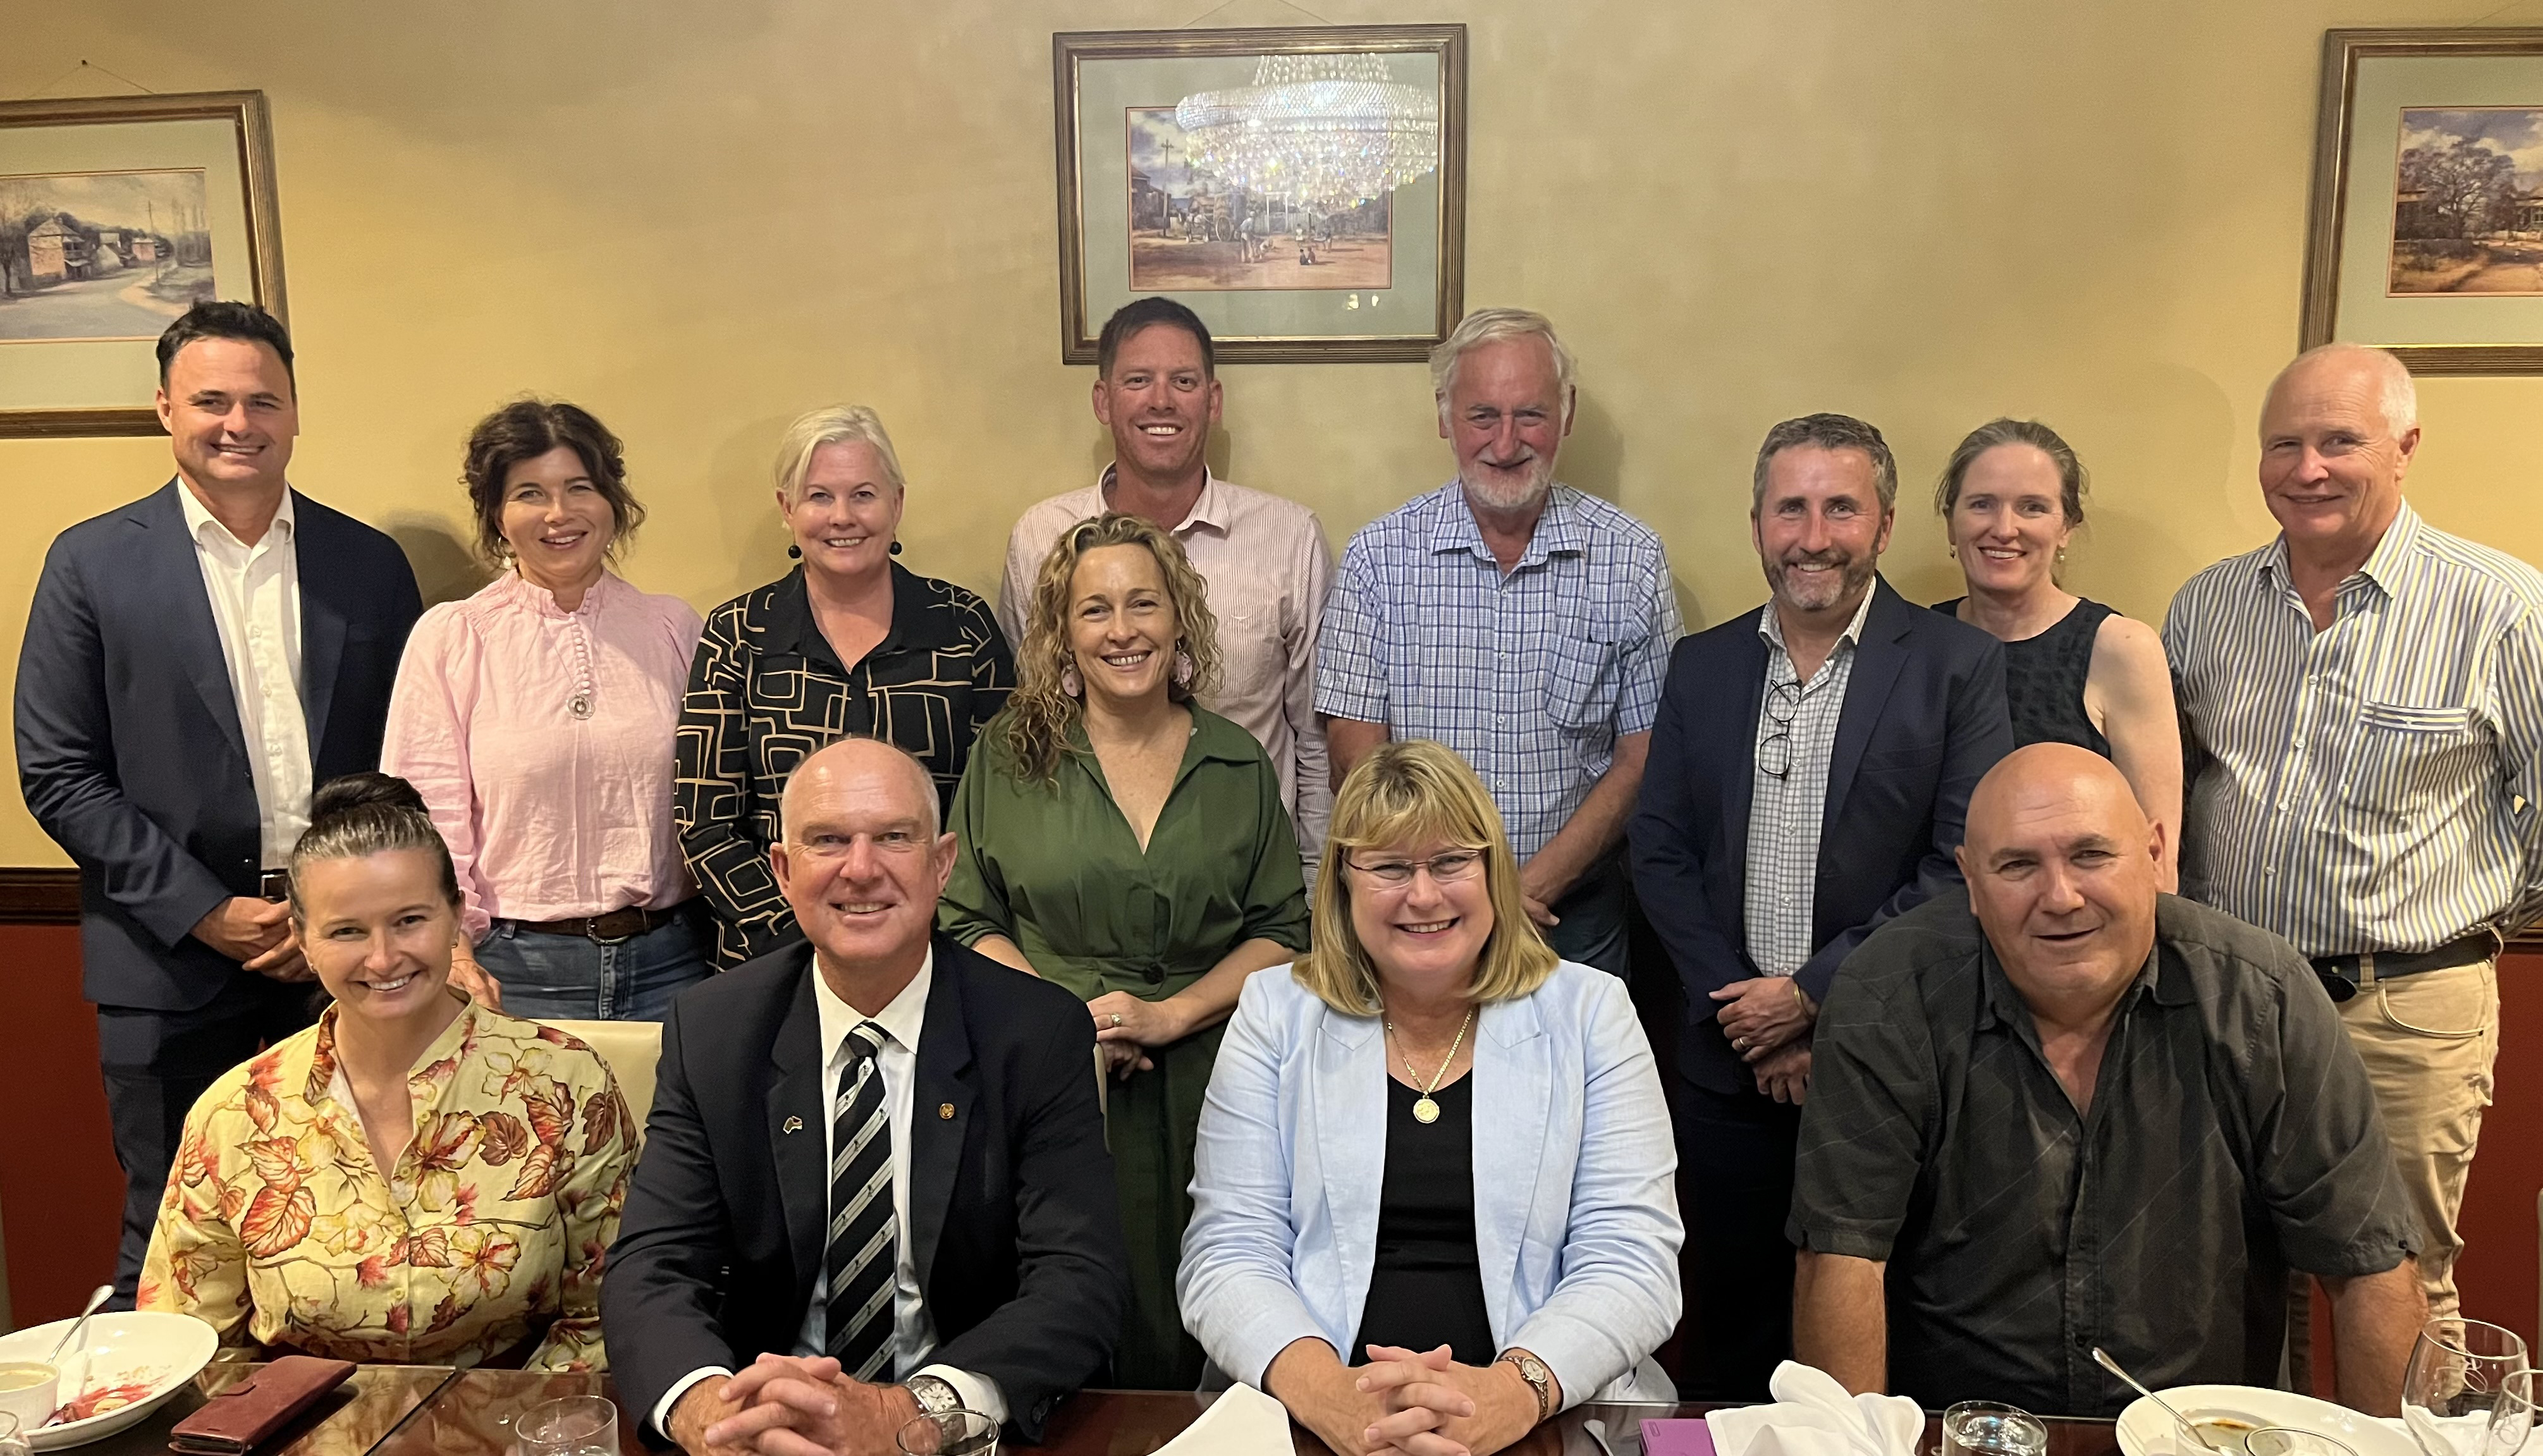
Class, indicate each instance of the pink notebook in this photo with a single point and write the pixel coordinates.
(1677, 1439)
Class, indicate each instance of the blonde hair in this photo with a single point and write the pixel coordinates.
(1034, 725)
(1408, 793)
(1491, 325)
(835, 425)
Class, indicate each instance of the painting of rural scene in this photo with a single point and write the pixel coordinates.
(2468, 202)
(1189, 231)
(101, 255)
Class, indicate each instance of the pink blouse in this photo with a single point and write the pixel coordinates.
(542, 741)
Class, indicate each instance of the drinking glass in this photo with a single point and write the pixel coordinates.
(2512, 1418)
(955, 1432)
(2452, 1386)
(13, 1441)
(2286, 1441)
(1987, 1428)
(578, 1425)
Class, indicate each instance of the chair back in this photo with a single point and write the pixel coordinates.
(631, 1048)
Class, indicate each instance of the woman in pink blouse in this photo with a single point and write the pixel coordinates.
(537, 718)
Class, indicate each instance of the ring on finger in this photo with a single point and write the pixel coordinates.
(1116, 1018)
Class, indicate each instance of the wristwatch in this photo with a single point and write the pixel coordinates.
(1538, 1378)
(934, 1393)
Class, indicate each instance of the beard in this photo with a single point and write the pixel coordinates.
(1498, 492)
(1816, 591)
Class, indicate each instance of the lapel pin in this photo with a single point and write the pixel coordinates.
(944, 1111)
(792, 1124)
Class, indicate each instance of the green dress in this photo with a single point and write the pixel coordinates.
(1057, 869)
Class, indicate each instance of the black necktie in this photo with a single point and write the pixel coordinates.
(861, 1263)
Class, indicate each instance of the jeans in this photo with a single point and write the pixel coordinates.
(563, 977)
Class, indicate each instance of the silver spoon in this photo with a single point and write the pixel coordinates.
(98, 1296)
(2101, 1358)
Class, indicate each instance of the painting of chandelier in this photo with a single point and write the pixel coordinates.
(1323, 129)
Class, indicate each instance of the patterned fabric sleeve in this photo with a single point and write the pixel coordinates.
(590, 1203)
(1350, 666)
(1646, 666)
(993, 671)
(198, 1265)
(710, 803)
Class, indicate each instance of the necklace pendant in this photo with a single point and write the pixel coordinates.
(1425, 1112)
(580, 707)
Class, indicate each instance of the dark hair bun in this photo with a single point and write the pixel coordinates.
(355, 792)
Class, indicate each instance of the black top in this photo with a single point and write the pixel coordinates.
(2232, 1137)
(766, 690)
(2044, 678)
(1427, 1288)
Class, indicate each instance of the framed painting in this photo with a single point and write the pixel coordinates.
(2428, 199)
(1302, 190)
(117, 214)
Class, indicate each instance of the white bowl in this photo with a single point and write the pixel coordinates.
(2145, 1430)
(158, 1353)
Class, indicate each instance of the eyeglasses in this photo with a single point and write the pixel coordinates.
(1456, 865)
(1783, 705)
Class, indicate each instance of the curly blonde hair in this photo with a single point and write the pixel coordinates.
(1034, 725)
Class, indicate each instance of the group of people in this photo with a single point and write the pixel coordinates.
(1952, 1068)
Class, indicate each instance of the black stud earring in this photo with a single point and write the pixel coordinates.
(896, 548)
(795, 553)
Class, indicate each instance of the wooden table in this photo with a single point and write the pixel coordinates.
(354, 1418)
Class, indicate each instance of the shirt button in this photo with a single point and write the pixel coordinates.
(2270, 871)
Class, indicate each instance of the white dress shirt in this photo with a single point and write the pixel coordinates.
(913, 1335)
(254, 589)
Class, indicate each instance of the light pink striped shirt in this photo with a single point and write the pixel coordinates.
(549, 814)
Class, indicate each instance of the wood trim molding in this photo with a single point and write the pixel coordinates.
(38, 896)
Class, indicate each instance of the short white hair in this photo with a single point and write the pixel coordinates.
(1491, 325)
(2396, 393)
(834, 424)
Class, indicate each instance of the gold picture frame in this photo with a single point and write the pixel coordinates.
(1383, 282)
(115, 212)
(2426, 231)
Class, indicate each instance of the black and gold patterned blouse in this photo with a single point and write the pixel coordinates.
(766, 691)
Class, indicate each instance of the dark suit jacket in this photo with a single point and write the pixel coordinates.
(1924, 719)
(1016, 1230)
(129, 750)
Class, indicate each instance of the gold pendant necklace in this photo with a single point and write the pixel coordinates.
(1425, 1112)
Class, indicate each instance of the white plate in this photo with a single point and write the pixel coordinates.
(2145, 1430)
(160, 1352)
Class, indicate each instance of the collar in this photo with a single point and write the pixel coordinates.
(2383, 565)
(512, 590)
(197, 519)
(2003, 1005)
(1211, 737)
(901, 1019)
(1558, 531)
(438, 1063)
(1771, 627)
(917, 624)
(1210, 508)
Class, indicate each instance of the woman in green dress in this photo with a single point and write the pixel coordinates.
(1117, 838)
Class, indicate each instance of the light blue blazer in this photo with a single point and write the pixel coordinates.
(1576, 1204)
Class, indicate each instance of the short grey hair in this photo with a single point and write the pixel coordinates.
(1827, 432)
(1491, 325)
(835, 425)
(920, 773)
(2397, 393)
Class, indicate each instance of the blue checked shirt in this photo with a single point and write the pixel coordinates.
(1532, 675)
(2370, 787)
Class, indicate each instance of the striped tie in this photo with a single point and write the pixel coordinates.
(861, 1263)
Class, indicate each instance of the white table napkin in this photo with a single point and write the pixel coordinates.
(1813, 1415)
(1242, 1421)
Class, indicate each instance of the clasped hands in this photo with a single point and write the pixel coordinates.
(790, 1405)
(1407, 1403)
(1768, 1019)
(1126, 1026)
(258, 934)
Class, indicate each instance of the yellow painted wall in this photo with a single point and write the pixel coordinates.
(701, 220)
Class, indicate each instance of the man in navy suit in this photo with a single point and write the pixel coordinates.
(1810, 772)
(195, 663)
(874, 1180)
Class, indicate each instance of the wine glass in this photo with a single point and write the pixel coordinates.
(2511, 1418)
(13, 1441)
(2452, 1387)
(1987, 1429)
(577, 1426)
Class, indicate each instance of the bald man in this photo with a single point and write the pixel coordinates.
(2367, 694)
(2061, 1109)
(874, 1181)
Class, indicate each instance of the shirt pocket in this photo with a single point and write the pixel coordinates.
(1251, 656)
(1582, 679)
(2406, 752)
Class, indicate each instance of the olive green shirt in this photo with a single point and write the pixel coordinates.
(1056, 868)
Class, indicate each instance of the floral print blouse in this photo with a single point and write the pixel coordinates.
(277, 1229)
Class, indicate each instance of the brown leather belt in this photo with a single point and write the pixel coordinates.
(606, 930)
(274, 884)
(2344, 976)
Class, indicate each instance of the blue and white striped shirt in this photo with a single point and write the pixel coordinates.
(2372, 787)
(1532, 675)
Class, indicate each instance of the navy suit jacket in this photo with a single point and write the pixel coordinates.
(1015, 1225)
(1924, 719)
(129, 749)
